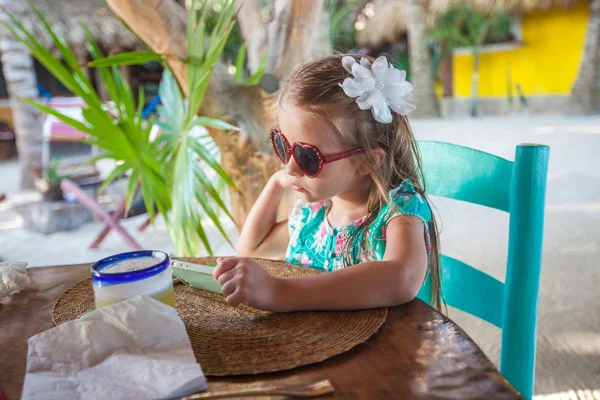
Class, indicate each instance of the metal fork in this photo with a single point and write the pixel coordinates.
(319, 388)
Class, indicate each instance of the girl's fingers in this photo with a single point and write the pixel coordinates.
(234, 298)
(226, 276)
(224, 265)
(229, 287)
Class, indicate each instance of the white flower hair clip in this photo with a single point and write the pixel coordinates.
(379, 87)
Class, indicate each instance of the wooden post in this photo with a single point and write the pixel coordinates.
(19, 73)
(447, 68)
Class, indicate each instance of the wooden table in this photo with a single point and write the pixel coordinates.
(417, 354)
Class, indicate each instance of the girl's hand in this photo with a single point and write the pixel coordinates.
(245, 281)
(281, 179)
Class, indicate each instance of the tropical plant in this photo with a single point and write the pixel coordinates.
(213, 10)
(49, 183)
(52, 174)
(342, 33)
(170, 170)
(465, 26)
(247, 155)
(240, 63)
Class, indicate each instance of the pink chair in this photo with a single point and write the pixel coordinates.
(111, 219)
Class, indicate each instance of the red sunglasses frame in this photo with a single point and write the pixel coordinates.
(323, 159)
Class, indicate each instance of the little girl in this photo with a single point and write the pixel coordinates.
(349, 152)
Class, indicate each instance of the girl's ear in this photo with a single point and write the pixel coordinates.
(378, 156)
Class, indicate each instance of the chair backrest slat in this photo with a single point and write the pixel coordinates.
(464, 287)
(466, 174)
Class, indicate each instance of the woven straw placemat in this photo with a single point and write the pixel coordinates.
(241, 340)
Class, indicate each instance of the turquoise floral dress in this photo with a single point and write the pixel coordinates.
(314, 243)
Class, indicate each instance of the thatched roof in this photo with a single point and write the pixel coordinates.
(387, 22)
(66, 17)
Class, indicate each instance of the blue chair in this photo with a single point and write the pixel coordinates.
(518, 188)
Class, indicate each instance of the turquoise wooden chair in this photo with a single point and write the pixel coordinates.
(518, 188)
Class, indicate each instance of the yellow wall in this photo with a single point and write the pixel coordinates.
(547, 64)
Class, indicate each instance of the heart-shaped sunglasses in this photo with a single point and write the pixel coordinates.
(308, 157)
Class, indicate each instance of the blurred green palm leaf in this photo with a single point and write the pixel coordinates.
(240, 63)
(464, 26)
(129, 58)
(179, 172)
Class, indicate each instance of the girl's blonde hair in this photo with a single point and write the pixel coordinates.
(314, 87)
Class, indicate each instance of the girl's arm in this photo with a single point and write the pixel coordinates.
(393, 281)
(261, 235)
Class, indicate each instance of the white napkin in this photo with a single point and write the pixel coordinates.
(136, 349)
(13, 279)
